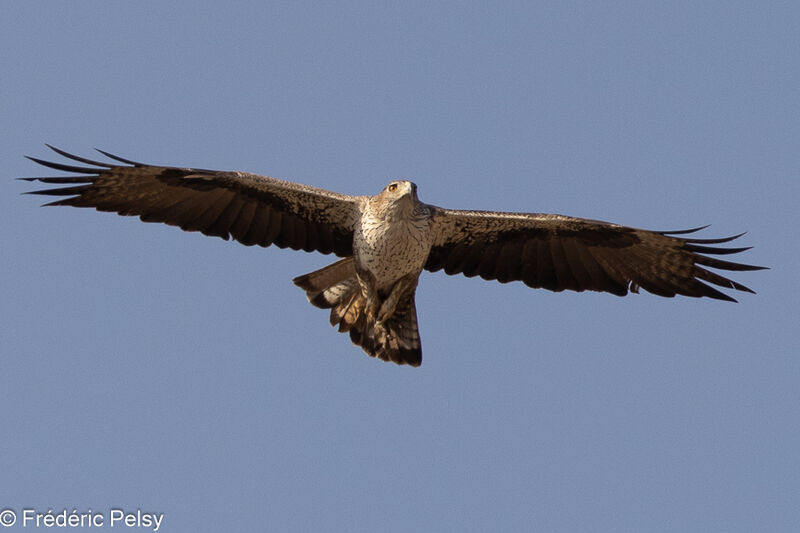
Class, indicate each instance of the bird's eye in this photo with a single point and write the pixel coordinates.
(392, 187)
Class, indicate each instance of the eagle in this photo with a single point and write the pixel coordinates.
(386, 241)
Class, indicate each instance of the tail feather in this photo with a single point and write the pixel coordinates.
(336, 287)
(327, 277)
(398, 338)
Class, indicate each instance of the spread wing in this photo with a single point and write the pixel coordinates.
(250, 208)
(557, 252)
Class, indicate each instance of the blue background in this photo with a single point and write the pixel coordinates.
(144, 367)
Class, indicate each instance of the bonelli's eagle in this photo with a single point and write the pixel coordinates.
(386, 240)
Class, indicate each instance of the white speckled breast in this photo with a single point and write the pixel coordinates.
(391, 246)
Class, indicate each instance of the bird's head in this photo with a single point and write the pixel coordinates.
(398, 199)
(398, 189)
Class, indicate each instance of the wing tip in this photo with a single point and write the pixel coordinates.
(120, 159)
(684, 231)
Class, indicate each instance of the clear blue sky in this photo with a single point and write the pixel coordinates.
(144, 367)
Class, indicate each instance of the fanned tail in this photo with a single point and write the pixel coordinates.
(336, 287)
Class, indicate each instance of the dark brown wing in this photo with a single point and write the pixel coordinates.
(557, 252)
(250, 208)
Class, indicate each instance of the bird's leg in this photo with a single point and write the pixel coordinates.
(402, 287)
(367, 282)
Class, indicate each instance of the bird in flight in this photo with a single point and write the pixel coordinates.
(387, 240)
